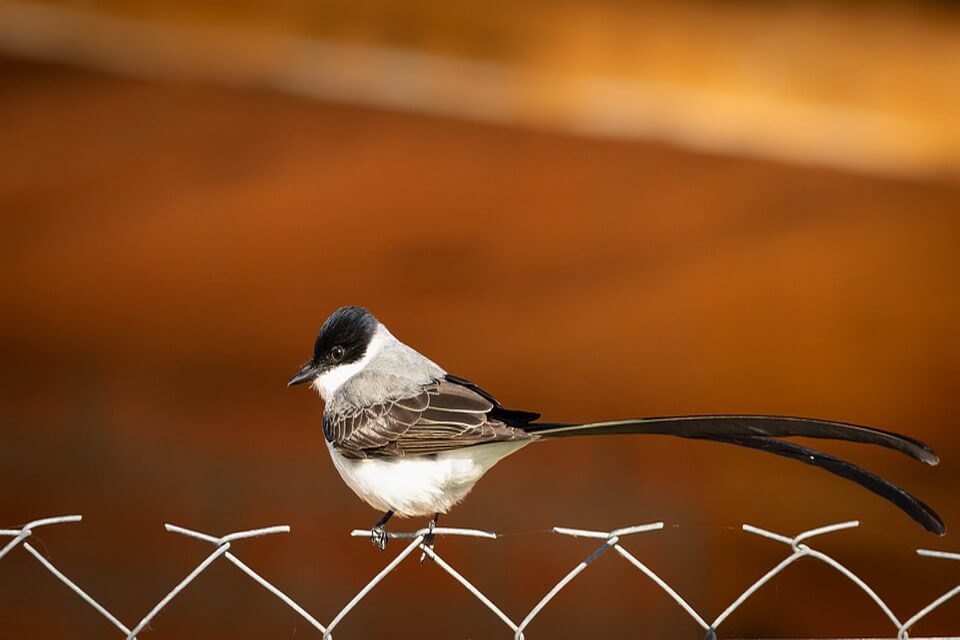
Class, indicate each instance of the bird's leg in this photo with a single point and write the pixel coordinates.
(378, 535)
(430, 540)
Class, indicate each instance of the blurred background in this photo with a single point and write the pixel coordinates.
(595, 210)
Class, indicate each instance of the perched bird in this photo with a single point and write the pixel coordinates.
(411, 439)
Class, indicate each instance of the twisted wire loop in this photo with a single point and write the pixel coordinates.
(419, 538)
(801, 550)
(797, 545)
(222, 545)
(924, 612)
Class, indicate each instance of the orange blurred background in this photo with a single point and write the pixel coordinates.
(593, 211)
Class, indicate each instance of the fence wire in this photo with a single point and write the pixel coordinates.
(796, 545)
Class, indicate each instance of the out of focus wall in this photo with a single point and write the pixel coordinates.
(868, 86)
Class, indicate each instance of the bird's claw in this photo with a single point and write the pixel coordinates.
(429, 541)
(378, 536)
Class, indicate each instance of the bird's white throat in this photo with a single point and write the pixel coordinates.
(329, 381)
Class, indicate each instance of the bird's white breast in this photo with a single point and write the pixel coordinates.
(420, 485)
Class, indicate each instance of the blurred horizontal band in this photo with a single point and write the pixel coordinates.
(772, 95)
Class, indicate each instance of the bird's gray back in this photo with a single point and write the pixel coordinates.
(398, 371)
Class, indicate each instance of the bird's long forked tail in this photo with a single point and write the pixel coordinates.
(763, 433)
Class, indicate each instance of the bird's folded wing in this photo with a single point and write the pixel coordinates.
(445, 415)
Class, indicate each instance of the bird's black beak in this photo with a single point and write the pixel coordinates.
(306, 373)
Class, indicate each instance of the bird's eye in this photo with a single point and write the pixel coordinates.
(337, 353)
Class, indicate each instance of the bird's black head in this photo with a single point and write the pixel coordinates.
(343, 339)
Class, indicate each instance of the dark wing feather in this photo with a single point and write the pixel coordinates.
(911, 505)
(512, 417)
(445, 415)
(762, 432)
(745, 425)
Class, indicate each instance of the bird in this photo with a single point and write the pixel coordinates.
(412, 440)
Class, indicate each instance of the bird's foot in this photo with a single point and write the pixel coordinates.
(378, 536)
(429, 541)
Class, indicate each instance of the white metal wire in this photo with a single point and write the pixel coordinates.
(611, 540)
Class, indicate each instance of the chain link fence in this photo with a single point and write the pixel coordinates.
(796, 547)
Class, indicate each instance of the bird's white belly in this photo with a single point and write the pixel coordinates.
(420, 485)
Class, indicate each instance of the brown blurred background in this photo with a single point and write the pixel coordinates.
(595, 211)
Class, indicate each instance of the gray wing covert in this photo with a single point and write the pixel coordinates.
(443, 416)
